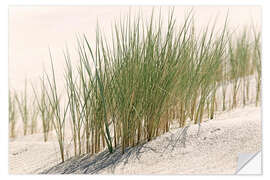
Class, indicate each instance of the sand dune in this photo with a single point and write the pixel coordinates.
(214, 150)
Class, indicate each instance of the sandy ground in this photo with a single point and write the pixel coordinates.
(29, 154)
(214, 150)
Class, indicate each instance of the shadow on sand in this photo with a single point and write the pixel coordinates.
(89, 164)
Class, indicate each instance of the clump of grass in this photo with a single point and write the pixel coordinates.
(240, 64)
(244, 59)
(257, 64)
(12, 114)
(23, 108)
(45, 111)
(134, 84)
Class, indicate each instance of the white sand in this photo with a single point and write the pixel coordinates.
(214, 151)
(29, 154)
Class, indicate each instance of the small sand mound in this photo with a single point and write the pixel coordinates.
(212, 150)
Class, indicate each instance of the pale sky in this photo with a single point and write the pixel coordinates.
(33, 29)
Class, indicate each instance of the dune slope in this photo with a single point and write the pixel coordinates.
(212, 150)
